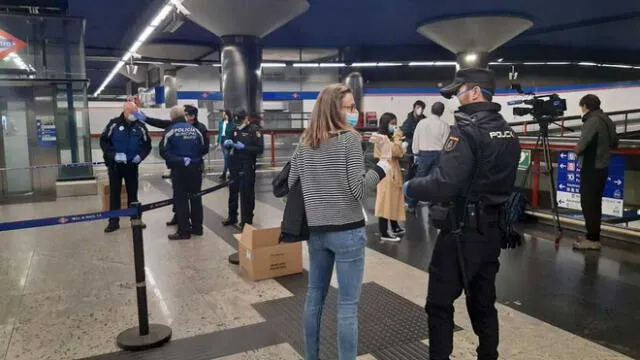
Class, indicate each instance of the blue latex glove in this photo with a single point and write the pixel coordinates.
(405, 186)
(238, 145)
(140, 115)
(228, 143)
(121, 158)
(187, 161)
(137, 159)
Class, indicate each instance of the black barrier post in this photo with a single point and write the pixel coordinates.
(144, 336)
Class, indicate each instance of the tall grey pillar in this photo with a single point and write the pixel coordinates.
(170, 88)
(241, 58)
(355, 82)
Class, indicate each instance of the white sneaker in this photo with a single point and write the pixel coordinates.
(390, 238)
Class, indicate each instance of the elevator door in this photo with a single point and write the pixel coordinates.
(14, 150)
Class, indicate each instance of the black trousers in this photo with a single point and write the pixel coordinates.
(592, 182)
(481, 252)
(118, 172)
(187, 181)
(383, 226)
(242, 180)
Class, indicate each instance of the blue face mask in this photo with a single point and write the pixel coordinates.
(352, 119)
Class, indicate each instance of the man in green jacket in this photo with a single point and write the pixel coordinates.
(598, 137)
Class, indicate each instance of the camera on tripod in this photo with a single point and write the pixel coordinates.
(540, 106)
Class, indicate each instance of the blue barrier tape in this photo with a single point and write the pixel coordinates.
(70, 219)
(104, 215)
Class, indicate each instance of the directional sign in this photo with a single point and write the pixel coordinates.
(9, 44)
(525, 160)
(568, 184)
(46, 133)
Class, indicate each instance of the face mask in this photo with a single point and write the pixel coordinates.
(352, 119)
(132, 117)
(454, 104)
(392, 129)
(418, 111)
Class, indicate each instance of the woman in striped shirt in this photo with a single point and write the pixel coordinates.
(329, 164)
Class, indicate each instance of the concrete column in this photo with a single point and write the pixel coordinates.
(170, 88)
(241, 57)
(356, 83)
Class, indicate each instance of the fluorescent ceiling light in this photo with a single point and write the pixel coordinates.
(421, 63)
(216, 65)
(161, 15)
(501, 60)
(146, 33)
(445, 63)
(558, 63)
(471, 57)
(332, 65)
(183, 64)
(587, 64)
(273, 65)
(500, 63)
(533, 63)
(617, 66)
(364, 64)
(389, 64)
(306, 65)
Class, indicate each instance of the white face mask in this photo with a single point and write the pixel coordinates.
(392, 129)
(132, 117)
(453, 104)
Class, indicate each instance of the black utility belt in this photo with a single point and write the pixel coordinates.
(444, 218)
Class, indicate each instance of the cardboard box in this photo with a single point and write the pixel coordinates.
(105, 197)
(263, 257)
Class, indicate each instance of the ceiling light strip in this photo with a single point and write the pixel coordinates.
(162, 14)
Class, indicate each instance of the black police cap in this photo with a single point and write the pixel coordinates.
(483, 78)
(190, 110)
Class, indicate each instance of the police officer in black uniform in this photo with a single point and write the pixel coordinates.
(125, 143)
(474, 179)
(183, 147)
(246, 143)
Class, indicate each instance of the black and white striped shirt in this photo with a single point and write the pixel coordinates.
(333, 182)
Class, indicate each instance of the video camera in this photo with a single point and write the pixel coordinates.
(540, 105)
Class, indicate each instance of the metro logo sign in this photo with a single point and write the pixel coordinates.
(9, 44)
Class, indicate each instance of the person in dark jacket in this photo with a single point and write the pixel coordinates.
(225, 126)
(597, 138)
(409, 125)
(473, 180)
(125, 143)
(183, 147)
(246, 143)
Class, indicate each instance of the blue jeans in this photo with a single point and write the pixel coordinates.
(425, 161)
(346, 249)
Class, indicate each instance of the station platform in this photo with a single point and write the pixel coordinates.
(67, 291)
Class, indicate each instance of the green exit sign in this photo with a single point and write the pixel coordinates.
(525, 160)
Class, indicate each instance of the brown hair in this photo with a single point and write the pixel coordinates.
(326, 119)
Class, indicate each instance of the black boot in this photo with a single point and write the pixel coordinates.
(111, 228)
(178, 236)
(229, 222)
(173, 221)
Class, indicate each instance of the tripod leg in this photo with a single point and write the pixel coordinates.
(552, 192)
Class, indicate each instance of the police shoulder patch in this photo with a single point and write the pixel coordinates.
(258, 134)
(451, 143)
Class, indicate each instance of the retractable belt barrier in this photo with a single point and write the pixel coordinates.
(145, 335)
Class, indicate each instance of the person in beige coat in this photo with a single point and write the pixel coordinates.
(389, 199)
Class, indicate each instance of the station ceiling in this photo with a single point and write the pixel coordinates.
(374, 30)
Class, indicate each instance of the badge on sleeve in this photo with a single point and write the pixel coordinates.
(258, 134)
(451, 143)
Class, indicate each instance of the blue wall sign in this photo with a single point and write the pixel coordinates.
(46, 133)
(568, 184)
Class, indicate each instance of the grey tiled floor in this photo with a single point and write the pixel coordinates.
(66, 292)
